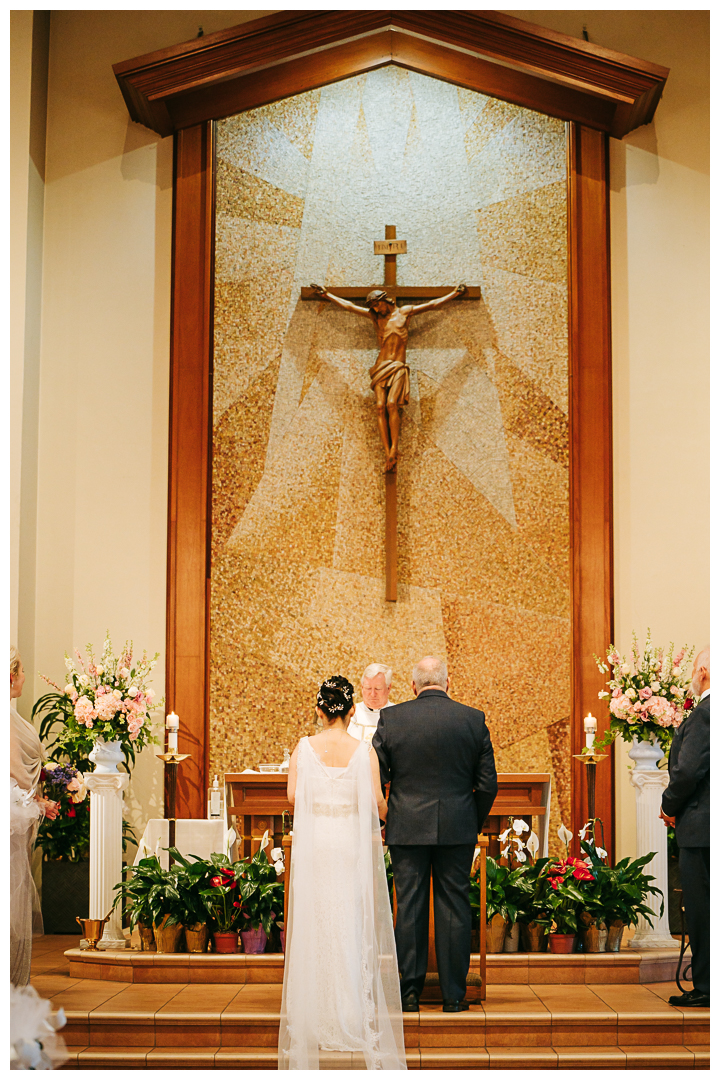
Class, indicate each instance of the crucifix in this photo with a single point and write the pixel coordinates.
(390, 374)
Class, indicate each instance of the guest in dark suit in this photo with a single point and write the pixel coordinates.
(437, 756)
(686, 806)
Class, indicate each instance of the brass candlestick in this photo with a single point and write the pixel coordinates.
(172, 759)
(591, 762)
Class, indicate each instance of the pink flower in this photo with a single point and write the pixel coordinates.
(107, 706)
(678, 657)
(617, 692)
(84, 711)
(646, 692)
(674, 690)
(619, 706)
(614, 657)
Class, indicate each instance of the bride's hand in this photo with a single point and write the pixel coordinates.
(49, 808)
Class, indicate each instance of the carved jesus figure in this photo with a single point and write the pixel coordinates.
(390, 374)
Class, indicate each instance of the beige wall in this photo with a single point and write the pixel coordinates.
(102, 458)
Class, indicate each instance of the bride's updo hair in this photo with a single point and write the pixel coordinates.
(335, 697)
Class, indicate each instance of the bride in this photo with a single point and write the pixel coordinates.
(341, 990)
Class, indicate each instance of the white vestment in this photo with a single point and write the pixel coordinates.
(365, 721)
(341, 990)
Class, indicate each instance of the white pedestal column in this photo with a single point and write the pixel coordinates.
(106, 807)
(649, 783)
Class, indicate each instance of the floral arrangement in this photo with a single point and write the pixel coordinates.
(222, 895)
(560, 889)
(649, 695)
(68, 836)
(521, 849)
(106, 699)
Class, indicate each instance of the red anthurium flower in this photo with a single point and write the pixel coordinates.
(71, 810)
(554, 882)
(216, 881)
(582, 874)
(236, 903)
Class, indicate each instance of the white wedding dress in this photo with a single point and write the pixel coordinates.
(341, 990)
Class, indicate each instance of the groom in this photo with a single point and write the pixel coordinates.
(437, 756)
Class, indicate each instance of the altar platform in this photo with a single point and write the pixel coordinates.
(527, 1024)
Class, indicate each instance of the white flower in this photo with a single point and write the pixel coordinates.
(603, 694)
(521, 856)
(124, 672)
(503, 836)
(520, 826)
(265, 841)
(150, 693)
(583, 832)
(117, 694)
(631, 692)
(279, 867)
(99, 669)
(533, 844)
(276, 853)
(504, 851)
(655, 686)
(133, 691)
(676, 671)
(601, 852)
(69, 688)
(625, 669)
(565, 835)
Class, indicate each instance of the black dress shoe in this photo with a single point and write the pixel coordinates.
(690, 999)
(411, 1003)
(455, 1006)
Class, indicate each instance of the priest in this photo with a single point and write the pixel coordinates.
(375, 685)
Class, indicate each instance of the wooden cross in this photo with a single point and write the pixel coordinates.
(391, 247)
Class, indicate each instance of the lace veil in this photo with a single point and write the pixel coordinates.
(341, 990)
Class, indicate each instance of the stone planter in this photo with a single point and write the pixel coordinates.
(254, 941)
(226, 941)
(614, 935)
(69, 882)
(167, 938)
(534, 937)
(147, 938)
(197, 937)
(512, 938)
(561, 943)
(495, 934)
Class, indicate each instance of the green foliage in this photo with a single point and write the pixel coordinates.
(620, 891)
(67, 837)
(191, 879)
(508, 892)
(149, 892)
(263, 896)
(389, 875)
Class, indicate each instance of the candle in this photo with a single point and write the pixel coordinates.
(172, 723)
(590, 725)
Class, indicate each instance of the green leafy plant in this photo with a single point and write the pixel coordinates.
(149, 893)
(562, 894)
(620, 891)
(389, 875)
(220, 893)
(261, 892)
(67, 837)
(192, 877)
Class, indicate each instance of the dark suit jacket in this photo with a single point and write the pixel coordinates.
(435, 753)
(687, 796)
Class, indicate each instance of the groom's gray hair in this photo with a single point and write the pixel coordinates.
(429, 672)
(377, 669)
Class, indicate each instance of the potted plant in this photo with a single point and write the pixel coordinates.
(152, 896)
(192, 878)
(620, 892)
(560, 893)
(517, 851)
(220, 893)
(262, 896)
(505, 893)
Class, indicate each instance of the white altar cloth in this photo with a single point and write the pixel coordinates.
(193, 836)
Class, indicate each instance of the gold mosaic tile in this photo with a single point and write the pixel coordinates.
(527, 234)
(304, 187)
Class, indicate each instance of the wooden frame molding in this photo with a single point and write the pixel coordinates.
(191, 370)
(283, 54)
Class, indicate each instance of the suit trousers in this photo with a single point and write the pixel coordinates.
(695, 881)
(450, 866)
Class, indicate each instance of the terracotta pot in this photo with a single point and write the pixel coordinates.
(147, 938)
(495, 935)
(254, 941)
(614, 935)
(533, 937)
(197, 937)
(561, 943)
(167, 938)
(226, 941)
(512, 938)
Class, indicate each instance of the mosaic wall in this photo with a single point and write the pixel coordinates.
(477, 188)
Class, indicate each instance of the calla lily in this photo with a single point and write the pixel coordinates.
(265, 841)
(533, 844)
(520, 826)
(565, 835)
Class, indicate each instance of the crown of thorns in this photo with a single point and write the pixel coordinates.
(332, 684)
